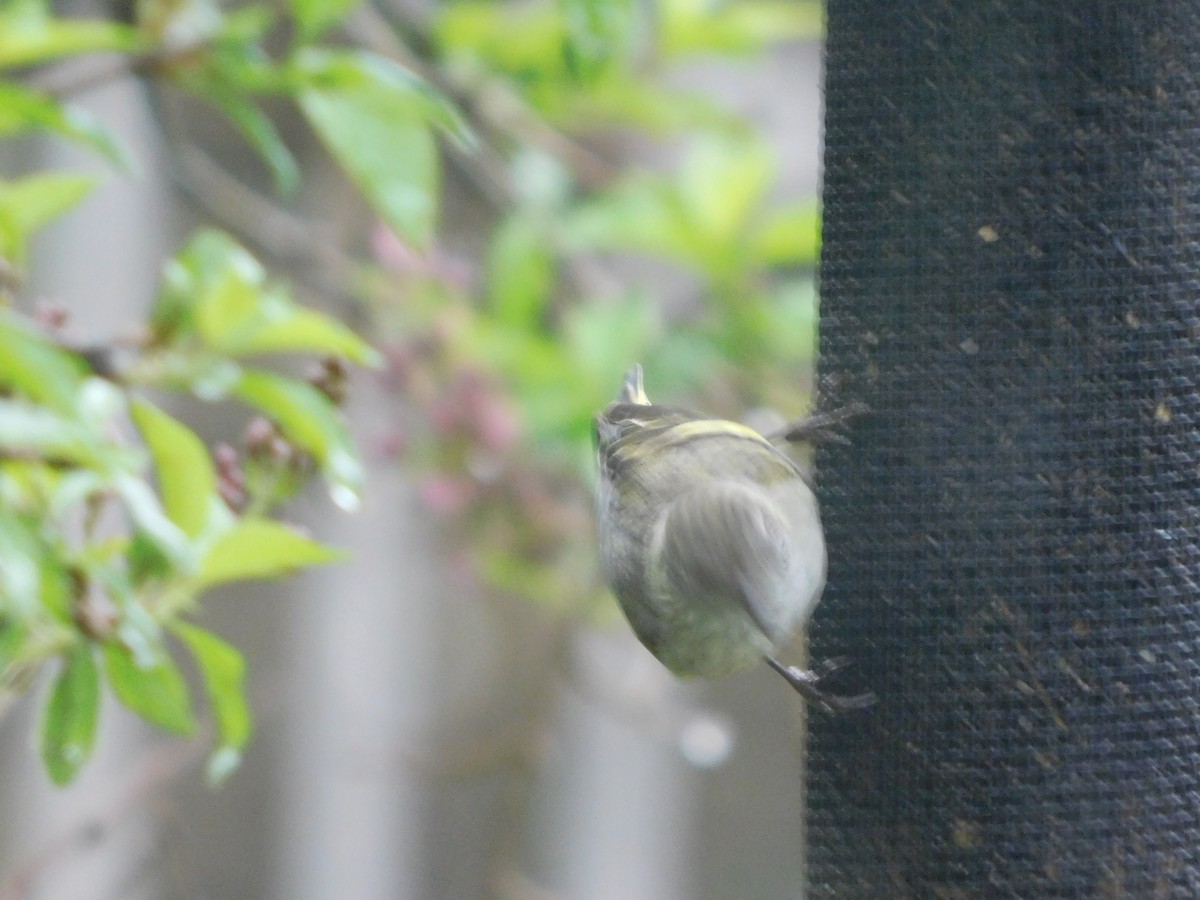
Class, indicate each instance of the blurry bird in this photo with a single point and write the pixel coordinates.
(711, 538)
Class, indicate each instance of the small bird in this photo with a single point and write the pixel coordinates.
(711, 538)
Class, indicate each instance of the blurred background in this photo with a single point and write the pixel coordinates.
(458, 709)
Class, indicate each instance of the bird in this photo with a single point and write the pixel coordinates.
(710, 537)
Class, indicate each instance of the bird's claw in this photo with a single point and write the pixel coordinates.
(807, 683)
(821, 428)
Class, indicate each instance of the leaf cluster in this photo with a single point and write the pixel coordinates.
(510, 363)
(115, 517)
(98, 567)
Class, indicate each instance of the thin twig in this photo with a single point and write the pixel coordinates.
(289, 238)
(79, 74)
(84, 73)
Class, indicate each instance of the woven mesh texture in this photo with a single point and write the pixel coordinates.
(1011, 280)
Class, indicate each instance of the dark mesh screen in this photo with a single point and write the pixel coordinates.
(1011, 280)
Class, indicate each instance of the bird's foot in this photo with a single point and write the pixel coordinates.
(822, 427)
(807, 683)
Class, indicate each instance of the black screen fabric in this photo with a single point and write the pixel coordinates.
(1011, 281)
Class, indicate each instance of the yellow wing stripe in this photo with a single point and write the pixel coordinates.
(686, 431)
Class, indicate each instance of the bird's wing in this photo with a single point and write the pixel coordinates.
(730, 545)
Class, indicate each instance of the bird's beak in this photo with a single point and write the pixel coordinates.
(632, 390)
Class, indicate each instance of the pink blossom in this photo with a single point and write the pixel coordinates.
(446, 494)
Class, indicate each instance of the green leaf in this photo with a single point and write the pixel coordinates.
(71, 714)
(237, 63)
(702, 217)
(248, 26)
(625, 98)
(598, 33)
(790, 236)
(201, 269)
(30, 430)
(58, 585)
(374, 117)
(34, 577)
(313, 17)
(722, 182)
(520, 272)
(12, 641)
(20, 575)
(23, 110)
(145, 562)
(310, 420)
(642, 214)
(157, 692)
(137, 631)
(239, 319)
(208, 375)
(227, 309)
(260, 548)
(287, 327)
(28, 34)
(147, 514)
(748, 26)
(186, 476)
(323, 68)
(216, 287)
(223, 670)
(31, 365)
(522, 39)
(29, 203)
(257, 128)
(34, 200)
